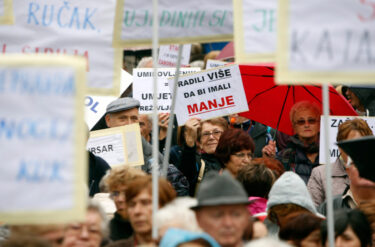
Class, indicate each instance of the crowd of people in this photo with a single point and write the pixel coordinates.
(230, 182)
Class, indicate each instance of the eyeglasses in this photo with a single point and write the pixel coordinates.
(243, 155)
(303, 121)
(215, 133)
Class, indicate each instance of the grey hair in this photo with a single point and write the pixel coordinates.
(144, 61)
(95, 206)
(178, 211)
(265, 242)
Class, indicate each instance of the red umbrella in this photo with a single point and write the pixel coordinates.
(227, 52)
(270, 104)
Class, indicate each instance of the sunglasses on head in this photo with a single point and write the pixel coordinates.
(303, 121)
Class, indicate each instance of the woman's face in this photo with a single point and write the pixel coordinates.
(347, 239)
(312, 240)
(238, 160)
(306, 124)
(353, 134)
(118, 197)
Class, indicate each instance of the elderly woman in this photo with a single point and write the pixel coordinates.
(117, 181)
(348, 130)
(235, 150)
(196, 161)
(302, 152)
(139, 209)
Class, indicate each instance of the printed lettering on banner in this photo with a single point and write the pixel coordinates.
(255, 30)
(178, 23)
(214, 63)
(81, 28)
(168, 55)
(210, 93)
(326, 47)
(334, 123)
(143, 89)
(42, 138)
(6, 12)
(118, 145)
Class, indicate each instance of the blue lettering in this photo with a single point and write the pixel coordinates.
(87, 19)
(39, 171)
(32, 13)
(7, 128)
(75, 17)
(45, 10)
(65, 6)
(127, 19)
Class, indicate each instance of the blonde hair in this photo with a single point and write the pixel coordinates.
(122, 175)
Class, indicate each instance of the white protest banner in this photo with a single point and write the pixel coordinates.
(210, 93)
(6, 12)
(214, 63)
(334, 122)
(168, 55)
(95, 108)
(42, 139)
(255, 30)
(326, 41)
(143, 87)
(118, 145)
(186, 22)
(82, 28)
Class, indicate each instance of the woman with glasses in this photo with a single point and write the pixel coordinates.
(235, 150)
(117, 181)
(302, 152)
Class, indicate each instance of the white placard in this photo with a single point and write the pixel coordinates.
(326, 41)
(214, 63)
(143, 87)
(80, 27)
(42, 139)
(334, 122)
(210, 93)
(168, 55)
(255, 30)
(185, 22)
(118, 146)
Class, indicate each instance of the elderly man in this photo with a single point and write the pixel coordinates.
(221, 210)
(124, 111)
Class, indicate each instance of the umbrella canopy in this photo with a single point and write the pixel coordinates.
(227, 52)
(270, 104)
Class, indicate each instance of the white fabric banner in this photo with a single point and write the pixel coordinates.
(334, 122)
(210, 93)
(185, 22)
(80, 27)
(143, 87)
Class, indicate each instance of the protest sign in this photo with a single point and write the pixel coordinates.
(210, 93)
(42, 139)
(6, 12)
(143, 87)
(178, 23)
(118, 145)
(326, 47)
(95, 108)
(82, 28)
(255, 30)
(214, 63)
(334, 122)
(168, 55)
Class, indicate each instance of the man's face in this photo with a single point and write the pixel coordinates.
(122, 118)
(226, 224)
(86, 234)
(353, 100)
(210, 136)
(145, 126)
(140, 212)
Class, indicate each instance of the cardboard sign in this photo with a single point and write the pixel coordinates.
(42, 138)
(168, 55)
(334, 44)
(143, 89)
(334, 122)
(82, 28)
(214, 63)
(255, 30)
(186, 22)
(210, 93)
(118, 146)
(6, 12)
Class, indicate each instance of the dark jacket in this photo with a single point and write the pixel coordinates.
(119, 228)
(191, 163)
(339, 202)
(294, 158)
(97, 169)
(261, 137)
(129, 242)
